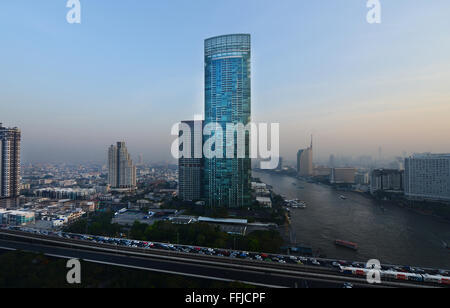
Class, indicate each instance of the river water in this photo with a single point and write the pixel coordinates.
(390, 234)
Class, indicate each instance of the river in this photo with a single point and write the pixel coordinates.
(391, 234)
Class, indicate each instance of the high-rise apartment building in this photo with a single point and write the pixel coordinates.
(9, 162)
(190, 168)
(305, 166)
(427, 177)
(227, 181)
(121, 171)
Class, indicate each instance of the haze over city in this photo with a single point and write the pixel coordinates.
(129, 72)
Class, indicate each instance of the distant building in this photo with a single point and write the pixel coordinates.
(342, 176)
(260, 189)
(299, 160)
(65, 193)
(305, 165)
(121, 171)
(362, 178)
(16, 218)
(190, 168)
(427, 177)
(264, 201)
(322, 171)
(387, 180)
(332, 161)
(9, 162)
(280, 164)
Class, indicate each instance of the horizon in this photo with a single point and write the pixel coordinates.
(129, 72)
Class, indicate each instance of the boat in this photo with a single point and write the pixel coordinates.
(347, 244)
(296, 204)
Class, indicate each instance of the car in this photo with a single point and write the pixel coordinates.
(400, 269)
(336, 265)
(419, 271)
(243, 255)
(347, 285)
(315, 262)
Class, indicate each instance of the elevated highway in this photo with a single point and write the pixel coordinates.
(262, 274)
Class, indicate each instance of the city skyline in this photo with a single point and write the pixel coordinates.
(366, 93)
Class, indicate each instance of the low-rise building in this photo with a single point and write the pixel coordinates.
(16, 218)
(387, 180)
(342, 176)
(264, 201)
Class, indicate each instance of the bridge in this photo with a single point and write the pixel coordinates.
(224, 269)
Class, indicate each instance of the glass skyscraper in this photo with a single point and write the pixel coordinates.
(227, 181)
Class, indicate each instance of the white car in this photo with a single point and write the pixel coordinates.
(315, 262)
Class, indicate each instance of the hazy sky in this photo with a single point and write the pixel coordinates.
(133, 68)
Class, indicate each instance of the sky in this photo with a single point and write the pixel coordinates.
(134, 68)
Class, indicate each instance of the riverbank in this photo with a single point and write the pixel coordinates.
(387, 233)
(436, 210)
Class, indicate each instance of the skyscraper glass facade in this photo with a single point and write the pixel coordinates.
(227, 181)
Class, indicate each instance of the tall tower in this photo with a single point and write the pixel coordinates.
(227, 181)
(190, 168)
(9, 162)
(305, 166)
(121, 171)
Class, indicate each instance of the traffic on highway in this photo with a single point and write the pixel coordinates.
(357, 269)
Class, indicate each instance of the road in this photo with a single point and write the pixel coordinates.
(206, 267)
